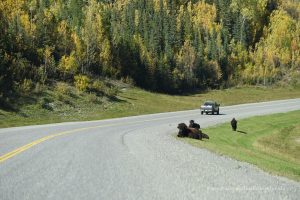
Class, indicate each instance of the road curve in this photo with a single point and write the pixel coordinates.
(133, 158)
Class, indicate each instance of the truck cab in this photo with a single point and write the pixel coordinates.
(210, 107)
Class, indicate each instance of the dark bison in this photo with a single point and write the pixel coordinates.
(194, 125)
(194, 133)
(233, 124)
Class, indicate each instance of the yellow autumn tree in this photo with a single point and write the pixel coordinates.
(204, 15)
(276, 54)
(68, 64)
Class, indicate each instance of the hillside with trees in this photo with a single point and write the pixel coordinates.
(159, 45)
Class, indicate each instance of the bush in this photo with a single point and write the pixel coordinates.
(63, 89)
(295, 79)
(46, 104)
(91, 97)
(81, 82)
(128, 80)
(98, 86)
(24, 87)
(39, 88)
(112, 91)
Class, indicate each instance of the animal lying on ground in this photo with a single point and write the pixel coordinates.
(194, 133)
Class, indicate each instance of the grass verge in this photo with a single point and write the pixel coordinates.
(270, 142)
(52, 105)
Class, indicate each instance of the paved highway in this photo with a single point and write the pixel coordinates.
(133, 158)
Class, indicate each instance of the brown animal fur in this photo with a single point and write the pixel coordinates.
(185, 131)
(194, 133)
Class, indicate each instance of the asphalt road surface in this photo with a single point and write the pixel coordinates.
(133, 158)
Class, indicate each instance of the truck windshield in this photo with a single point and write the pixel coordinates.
(208, 103)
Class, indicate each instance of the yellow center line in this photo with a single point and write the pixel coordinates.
(43, 139)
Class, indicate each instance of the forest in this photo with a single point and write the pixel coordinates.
(166, 46)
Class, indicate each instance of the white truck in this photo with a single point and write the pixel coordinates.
(210, 107)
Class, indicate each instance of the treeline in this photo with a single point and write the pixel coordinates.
(160, 45)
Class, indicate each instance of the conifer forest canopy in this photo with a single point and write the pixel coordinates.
(161, 45)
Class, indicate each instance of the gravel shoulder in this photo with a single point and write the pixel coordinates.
(181, 171)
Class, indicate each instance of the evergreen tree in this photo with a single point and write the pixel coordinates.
(76, 14)
(163, 45)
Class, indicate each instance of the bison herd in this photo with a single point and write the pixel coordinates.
(194, 131)
(191, 131)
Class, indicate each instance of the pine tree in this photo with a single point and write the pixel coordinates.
(212, 46)
(76, 15)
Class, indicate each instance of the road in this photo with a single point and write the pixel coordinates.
(133, 158)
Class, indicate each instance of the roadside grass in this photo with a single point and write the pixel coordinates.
(51, 106)
(270, 142)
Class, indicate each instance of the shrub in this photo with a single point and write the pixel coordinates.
(38, 88)
(46, 104)
(67, 64)
(91, 97)
(63, 89)
(112, 91)
(24, 87)
(128, 80)
(98, 86)
(81, 82)
(295, 79)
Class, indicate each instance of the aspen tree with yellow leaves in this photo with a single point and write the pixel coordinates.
(161, 45)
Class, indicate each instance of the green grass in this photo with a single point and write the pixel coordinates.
(270, 142)
(74, 106)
